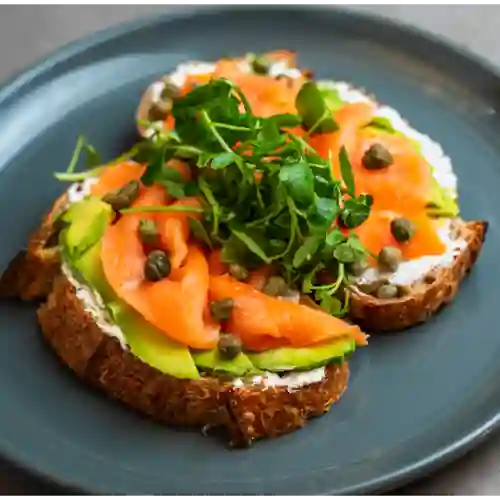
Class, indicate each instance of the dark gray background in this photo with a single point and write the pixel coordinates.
(30, 32)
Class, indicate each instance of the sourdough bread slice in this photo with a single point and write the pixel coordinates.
(246, 412)
(424, 297)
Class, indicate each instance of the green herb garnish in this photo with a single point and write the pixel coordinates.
(268, 196)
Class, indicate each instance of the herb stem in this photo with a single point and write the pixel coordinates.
(161, 208)
(231, 127)
(209, 124)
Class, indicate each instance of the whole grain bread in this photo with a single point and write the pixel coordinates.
(426, 296)
(245, 413)
(31, 272)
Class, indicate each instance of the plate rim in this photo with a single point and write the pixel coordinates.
(25, 77)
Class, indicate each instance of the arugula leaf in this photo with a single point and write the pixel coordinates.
(346, 171)
(199, 231)
(222, 160)
(356, 211)
(311, 106)
(250, 243)
(174, 189)
(322, 214)
(306, 250)
(299, 182)
(330, 304)
(346, 253)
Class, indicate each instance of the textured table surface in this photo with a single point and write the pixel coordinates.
(30, 32)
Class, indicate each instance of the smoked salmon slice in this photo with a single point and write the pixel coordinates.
(174, 231)
(375, 233)
(177, 304)
(114, 177)
(256, 317)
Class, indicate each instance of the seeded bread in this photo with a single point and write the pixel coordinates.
(425, 297)
(245, 413)
(31, 272)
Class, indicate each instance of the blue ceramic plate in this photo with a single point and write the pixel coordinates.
(416, 400)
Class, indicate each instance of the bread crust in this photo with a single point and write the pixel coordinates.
(423, 300)
(30, 274)
(245, 413)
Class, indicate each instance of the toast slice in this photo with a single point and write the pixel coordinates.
(31, 272)
(424, 297)
(245, 413)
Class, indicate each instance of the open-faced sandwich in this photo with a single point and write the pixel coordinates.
(204, 277)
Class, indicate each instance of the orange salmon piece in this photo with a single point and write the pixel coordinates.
(256, 315)
(114, 177)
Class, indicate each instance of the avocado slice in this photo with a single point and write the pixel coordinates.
(152, 345)
(302, 358)
(87, 219)
(89, 267)
(442, 203)
(212, 362)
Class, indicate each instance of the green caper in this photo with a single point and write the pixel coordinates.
(148, 232)
(229, 346)
(222, 309)
(123, 197)
(387, 292)
(157, 266)
(170, 90)
(162, 106)
(238, 272)
(260, 65)
(359, 267)
(402, 229)
(160, 109)
(377, 157)
(371, 287)
(275, 287)
(389, 258)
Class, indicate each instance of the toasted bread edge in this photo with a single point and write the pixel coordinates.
(246, 413)
(439, 289)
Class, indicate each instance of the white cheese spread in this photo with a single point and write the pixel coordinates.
(291, 380)
(94, 305)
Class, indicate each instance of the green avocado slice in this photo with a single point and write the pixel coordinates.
(211, 361)
(302, 358)
(87, 219)
(152, 346)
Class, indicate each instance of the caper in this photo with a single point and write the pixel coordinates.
(260, 65)
(222, 309)
(160, 109)
(387, 292)
(123, 197)
(402, 229)
(229, 346)
(162, 106)
(275, 286)
(148, 231)
(157, 266)
(389, 258)
(238, 272)
(377, 157)
(359, 267)
(170, 91)
(371, 287)
(291, 295)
